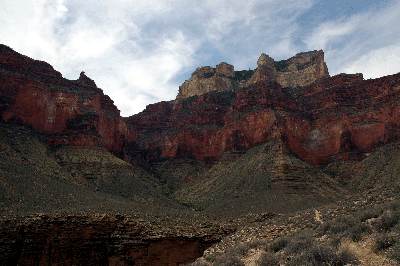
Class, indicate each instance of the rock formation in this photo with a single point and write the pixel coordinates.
(69, 112)
(295, 100)
(300, 70)
(275, 120)
(206, 79)
(315, 124)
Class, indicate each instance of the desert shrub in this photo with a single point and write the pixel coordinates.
(207, 75)
(200, 262)
(381, 242)
(324, 255)
(239, 249)
(340, 225)
(358, 230)
(395, 252)
(257, 243)
(345, 257)
(299, 260)
(268, 259)
(230, 259)
(386, 221)
(278, 244)
(232, 256)
(335, 241)
(369, 214)
(321, 254)
(281, 65)
(299, 243)
(212, 257)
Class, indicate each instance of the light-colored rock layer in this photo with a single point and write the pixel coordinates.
(300, 70)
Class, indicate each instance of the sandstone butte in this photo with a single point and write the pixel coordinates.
(318, 117)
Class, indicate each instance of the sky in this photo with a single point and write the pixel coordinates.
(140, 52)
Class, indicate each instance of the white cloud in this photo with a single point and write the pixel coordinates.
(134, 50)
(137, 51)
(350, 43)
(29, 26)
(377, 63)
(331, 32)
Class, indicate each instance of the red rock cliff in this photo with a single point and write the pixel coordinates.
(69, 112)
(336, 114)
(330, 116)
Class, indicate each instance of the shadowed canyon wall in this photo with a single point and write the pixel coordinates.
(101, 240)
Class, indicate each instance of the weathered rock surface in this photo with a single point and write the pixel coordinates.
(300, 70)
(206, 79)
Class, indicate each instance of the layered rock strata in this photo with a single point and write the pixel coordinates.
(74, 112)
(318, 121)
(334, 115)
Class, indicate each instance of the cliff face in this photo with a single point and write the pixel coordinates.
(330, 117)
(300, 70)
(326, 117)
(292, 107)
(206, 79)
(70, 112)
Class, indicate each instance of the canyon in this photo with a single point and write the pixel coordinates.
(161, 186)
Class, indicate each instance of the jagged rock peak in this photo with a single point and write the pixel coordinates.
(299, 70)
(86, 80)
(202, 71)
(226, 69)
(265, 60)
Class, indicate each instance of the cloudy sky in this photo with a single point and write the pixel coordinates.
(139, 52)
